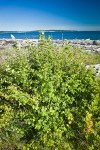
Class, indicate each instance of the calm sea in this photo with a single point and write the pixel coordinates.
(93, 35)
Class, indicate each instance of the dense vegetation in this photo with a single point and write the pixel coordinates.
(48, 100)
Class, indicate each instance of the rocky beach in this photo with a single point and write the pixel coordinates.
(89, 46)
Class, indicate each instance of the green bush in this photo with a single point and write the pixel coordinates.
(48, 100)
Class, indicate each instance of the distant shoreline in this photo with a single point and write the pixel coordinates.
(50, 31)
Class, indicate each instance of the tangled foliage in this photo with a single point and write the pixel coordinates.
(48, 100)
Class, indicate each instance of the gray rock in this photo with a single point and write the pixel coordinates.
(97, 50)
(89, 47)
(96, 42)
(82, 46)
(88, 51)
(96, 68)
(11, 42)
(3, 42)
(89, 42)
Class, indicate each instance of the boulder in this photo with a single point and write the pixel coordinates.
(82, 42)
(97, 50)
(88, 51)
(89, 42)
(11, 42)
(89, 47)
(96, 42)
(96, 68)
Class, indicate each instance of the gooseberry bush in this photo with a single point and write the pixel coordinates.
(48, 100)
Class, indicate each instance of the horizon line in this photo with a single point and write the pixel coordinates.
(44, 30)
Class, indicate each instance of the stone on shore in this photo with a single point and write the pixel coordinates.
(96, 68)
(88, 45)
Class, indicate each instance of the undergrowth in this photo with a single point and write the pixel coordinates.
(48, 100)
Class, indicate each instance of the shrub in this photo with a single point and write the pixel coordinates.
(49, 100)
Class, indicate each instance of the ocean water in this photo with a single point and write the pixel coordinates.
(93, 35)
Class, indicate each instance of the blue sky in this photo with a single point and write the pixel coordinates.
(30, 15)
